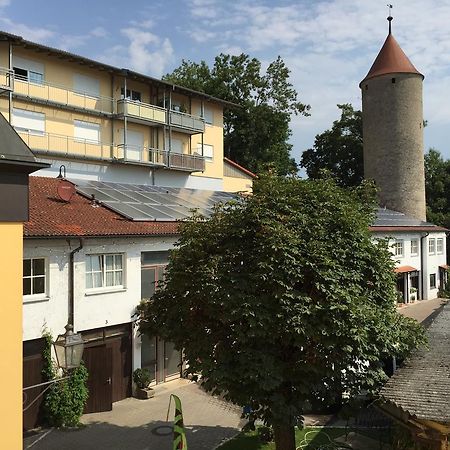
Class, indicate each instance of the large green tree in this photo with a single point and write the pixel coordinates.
(256, 132)
(282, 298)
(339, 150)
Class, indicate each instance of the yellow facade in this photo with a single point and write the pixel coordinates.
(11, 335)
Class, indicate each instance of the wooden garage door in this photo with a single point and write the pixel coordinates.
(121, 367)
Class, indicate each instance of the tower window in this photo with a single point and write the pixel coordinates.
(393, 80)
(367, 87)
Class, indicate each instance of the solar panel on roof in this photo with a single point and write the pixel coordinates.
(152, 203)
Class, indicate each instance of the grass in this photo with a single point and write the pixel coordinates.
(251, 441)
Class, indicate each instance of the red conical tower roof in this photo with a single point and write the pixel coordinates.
(391, 59)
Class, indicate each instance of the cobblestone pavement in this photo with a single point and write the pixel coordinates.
(141, 424)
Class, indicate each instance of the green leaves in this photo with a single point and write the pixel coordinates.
(283, 298)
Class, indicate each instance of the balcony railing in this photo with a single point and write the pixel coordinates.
(187, 122)
(62, 95)
(66, 146)
(6, 80)
(143, 111)
(181, 161)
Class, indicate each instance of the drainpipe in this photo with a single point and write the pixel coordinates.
(71, 282)
(422, 252)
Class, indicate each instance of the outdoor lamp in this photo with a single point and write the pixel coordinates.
(69, 349)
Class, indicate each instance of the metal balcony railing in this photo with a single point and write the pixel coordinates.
(144, 155)
(143, 111)
(61, 95)
(187, 122)
(6, 80)
(181, 161)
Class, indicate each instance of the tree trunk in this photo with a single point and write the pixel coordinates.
(284, 436)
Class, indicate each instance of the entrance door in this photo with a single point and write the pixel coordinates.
(98, 361)
(135, 145)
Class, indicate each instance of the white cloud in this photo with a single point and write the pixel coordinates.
(36, 34)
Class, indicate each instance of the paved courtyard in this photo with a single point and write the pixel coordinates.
(421, 310)
(141, 424)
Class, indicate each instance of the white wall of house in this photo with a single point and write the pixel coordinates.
(93, 308)
(431, 262)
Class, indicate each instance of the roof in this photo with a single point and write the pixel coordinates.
(19, 40)
(239, 167)
(404, 269)
(52, 217)
(14, 151)
(390, 59)
(389, 220)
(421, 387)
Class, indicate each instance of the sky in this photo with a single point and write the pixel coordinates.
(329, 45)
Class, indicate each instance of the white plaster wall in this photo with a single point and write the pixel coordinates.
(431, 262)
(90, 311)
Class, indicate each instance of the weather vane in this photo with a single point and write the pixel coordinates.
(390, 16)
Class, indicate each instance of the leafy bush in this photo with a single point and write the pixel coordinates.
(142, 378)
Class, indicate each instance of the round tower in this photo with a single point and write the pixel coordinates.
(393, 130)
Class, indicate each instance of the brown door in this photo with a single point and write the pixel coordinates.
(32, 374)
(98, 362)
(121, 367)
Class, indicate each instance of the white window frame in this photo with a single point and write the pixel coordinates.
(41, 295)
(32, 68)
(82, 125)
(103, 272)
(207, 115)
(432, 246)
(415, 243)
(25, 121)
(130, 94)
(208, 151)
(440, 246)
(86, 86)
(398, 248)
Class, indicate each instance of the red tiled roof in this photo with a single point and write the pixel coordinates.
(404, 269)
(238, 166)
(50, 216)
(391, 59)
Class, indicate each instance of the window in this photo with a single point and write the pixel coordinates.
(34, 277)
(414, 247)
(398, 248)
(208, 150)
(28, 121)
(440, 246)
(87, 131)
(432, 246)
(208, 114)
(176, 146)
(104, 271)
(27, 70)
(131, 95)
(86, 85)
(432, 281)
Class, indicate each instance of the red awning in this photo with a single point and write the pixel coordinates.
(404, 269)
(444, 266)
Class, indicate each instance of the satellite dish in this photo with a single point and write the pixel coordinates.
(66, 190)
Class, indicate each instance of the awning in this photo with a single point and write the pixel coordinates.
(404, 269)
(444, 266)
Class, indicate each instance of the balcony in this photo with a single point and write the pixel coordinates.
(186, 123)
(60, 95)
(181, 161)
(56, 145)
(6, 80)
(141, 112)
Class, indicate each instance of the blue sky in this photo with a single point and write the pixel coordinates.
(328, 45)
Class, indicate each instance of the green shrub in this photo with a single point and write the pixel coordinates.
(142, 378)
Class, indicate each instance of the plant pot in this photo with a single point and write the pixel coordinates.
(144, 394)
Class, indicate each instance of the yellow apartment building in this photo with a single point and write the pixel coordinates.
(111, 124)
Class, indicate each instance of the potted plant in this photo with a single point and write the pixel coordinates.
(412, 294)
(142, 379)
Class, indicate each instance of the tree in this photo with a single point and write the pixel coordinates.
(282, 298)
(256, 132)
(339, 150)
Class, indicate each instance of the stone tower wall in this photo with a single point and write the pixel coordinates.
(393, 141)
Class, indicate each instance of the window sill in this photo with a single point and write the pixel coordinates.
(104, 291)
(35, 299)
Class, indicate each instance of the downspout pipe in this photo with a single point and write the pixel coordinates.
(422, 252)
(70, 319)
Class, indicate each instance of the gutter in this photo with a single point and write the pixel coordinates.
(72, 282)
(421, 264)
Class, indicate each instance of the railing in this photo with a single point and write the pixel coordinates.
(191, 163)
(142, 111)
(6, 79)
(187, 122)
(145, 155)
(62, 95)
